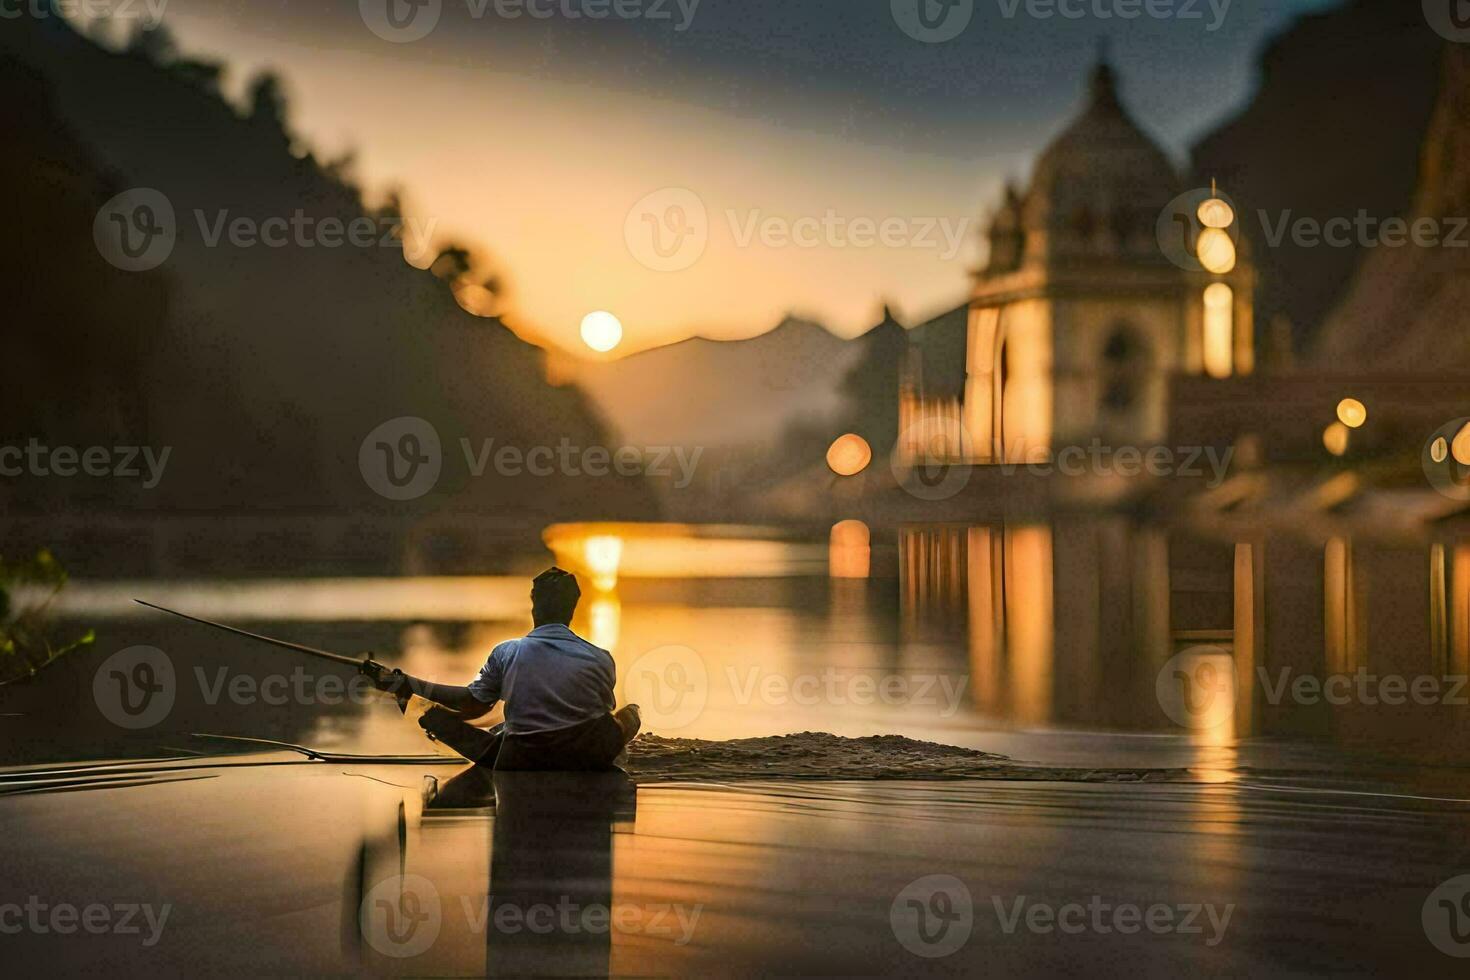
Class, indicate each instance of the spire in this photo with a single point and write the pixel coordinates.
(1104, 84)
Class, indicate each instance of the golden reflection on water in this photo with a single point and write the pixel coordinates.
(850, 554)
(1039, 626)
(604, 619)
(609, 552)
(1029, 616)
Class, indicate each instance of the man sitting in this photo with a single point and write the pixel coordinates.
(557, 689)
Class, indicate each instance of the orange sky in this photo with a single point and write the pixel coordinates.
(523, 154)
(544, 177)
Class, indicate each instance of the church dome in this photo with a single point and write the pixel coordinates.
(1099, 187)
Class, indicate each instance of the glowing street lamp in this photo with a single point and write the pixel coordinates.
(1460, 447)
(1215, 249)
(849, 455)
(1352, 413)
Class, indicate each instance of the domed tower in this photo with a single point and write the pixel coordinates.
(1079, 316)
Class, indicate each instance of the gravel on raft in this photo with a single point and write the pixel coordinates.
(818, 755)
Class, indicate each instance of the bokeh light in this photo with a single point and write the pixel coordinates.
(1352, 413)
(849, 455)
(1215, 213)
(1216, 251)
(1460, 448)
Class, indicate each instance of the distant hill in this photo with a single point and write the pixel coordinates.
(262, 367)
(1408, 307)
(722, 393)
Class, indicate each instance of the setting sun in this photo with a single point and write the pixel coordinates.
(601, 331)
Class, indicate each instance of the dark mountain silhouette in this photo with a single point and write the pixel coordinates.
(1336, 127)
(262, 367)
(78, 326)
(1408, 308)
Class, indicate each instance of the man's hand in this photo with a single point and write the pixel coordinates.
(383, 678)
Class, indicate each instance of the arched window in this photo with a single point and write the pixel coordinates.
(1125, 363)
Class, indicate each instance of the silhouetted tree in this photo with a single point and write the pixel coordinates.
(267, 103)
(452, 264)
(155, 44)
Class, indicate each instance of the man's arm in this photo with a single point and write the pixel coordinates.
(457, 699)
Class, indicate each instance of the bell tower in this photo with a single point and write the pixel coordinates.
(1079, 315)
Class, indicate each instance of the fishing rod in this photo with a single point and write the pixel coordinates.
(366, 665)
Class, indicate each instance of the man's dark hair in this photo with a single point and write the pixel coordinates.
(554, 595)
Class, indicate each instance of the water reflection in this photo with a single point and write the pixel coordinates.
(850, 553)
(938, 632)
(491, 874)
(551, 907)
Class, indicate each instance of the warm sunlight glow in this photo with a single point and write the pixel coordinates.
(849, 455)
(1335, 438)
(601, 331)
(1352, 413)
(1216, 251)
(1219, 330)
(1460, 448)
(603, 554)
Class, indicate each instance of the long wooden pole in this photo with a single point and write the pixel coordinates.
(283, 644)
